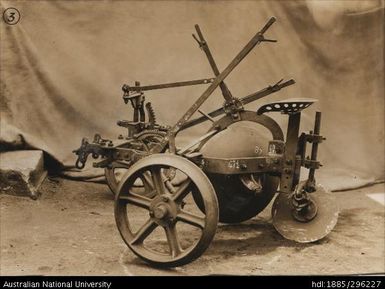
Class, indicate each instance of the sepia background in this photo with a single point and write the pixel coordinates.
(63, 66)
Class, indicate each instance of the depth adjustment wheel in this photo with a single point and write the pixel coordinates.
(158, 218)
(310, 224)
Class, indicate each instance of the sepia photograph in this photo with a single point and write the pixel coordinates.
(191, 138)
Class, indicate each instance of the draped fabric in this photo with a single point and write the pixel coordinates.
(64, 63)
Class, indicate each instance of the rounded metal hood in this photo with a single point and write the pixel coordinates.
(242, 139)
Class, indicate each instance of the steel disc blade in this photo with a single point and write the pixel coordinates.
(306, 232)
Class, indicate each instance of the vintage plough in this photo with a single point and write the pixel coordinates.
(184, 192)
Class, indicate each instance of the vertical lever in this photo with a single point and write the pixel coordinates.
(203, 45)
(310, 183)
(137, 101)
(288, 178)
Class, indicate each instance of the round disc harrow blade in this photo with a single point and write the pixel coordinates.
(306, 232)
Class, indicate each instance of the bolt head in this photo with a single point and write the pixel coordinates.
(160, 212)
(287, 171)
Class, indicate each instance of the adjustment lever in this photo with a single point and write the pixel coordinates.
(200, 43)
(264, 29)
(267, 25)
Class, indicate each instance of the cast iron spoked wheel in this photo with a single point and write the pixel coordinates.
(116, 170)
(236, 202)
(156, 214)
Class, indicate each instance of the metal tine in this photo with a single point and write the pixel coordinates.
(196, 141)
(206, 115)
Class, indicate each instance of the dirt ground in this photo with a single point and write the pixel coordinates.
(71, 230)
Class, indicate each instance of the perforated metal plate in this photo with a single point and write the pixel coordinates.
(289, 106)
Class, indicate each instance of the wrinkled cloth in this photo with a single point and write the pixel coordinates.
(64, 63)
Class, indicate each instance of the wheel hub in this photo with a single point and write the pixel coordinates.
(304, 212)
(160, 212)
(304, 208)
(163, 210)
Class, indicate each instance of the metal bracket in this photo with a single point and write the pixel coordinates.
(276, 147)
(312, 138)
(232, 166)
(311, 164)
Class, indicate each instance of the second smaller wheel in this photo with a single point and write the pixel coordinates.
(156, 214)
(115, 171)
(114, 174)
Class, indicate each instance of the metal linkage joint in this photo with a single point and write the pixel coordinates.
(313, 138)
(262, 38)
(233, 107)
(304, 209)
(311, 164)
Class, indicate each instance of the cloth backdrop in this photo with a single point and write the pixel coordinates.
(64, 63)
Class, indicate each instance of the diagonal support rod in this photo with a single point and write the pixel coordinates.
(257, 38)
(205, 47)
(127, 89)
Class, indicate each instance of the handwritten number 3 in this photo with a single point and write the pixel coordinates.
(11, 17)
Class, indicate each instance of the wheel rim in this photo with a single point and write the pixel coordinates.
(170, 209)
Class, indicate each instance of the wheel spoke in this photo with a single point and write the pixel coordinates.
(148, 186)
(144, 232)
(182, 191)
(156, 175)
(173, 242)
(191, 219)
(137, 200)
(147, 181)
